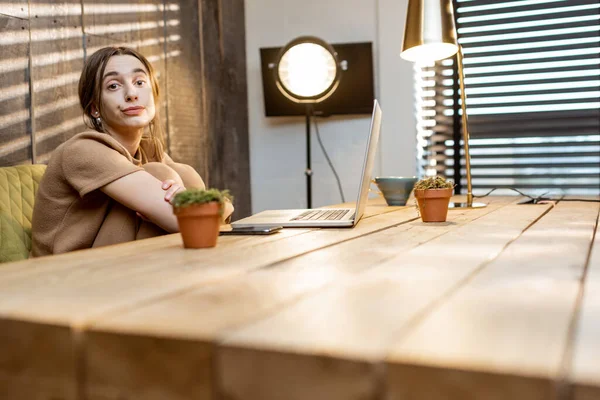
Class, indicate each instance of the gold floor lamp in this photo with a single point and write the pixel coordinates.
(430, 35)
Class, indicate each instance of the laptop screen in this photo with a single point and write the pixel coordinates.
(363, 191)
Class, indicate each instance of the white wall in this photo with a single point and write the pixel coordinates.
(277, 144)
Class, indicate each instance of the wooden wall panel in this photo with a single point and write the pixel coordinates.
(224, 83)
(57, 54)
(17, 8)
(15, 122)
(112, 19)
(136, 24)
(187, 127)
(151, 43)
(196, 47)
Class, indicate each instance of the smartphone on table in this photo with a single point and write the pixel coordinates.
(252, 230)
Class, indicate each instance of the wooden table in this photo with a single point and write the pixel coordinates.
(497, 303)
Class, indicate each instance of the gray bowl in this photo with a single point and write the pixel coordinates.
(395, 189)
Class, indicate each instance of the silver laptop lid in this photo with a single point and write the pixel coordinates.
(363, 191)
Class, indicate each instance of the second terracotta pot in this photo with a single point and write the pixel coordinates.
(199, 224)
(433, 204)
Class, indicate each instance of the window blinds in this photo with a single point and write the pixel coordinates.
(532, 78)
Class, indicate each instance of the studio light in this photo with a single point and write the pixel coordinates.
(307, 71)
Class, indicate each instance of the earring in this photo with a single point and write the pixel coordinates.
(99, 121)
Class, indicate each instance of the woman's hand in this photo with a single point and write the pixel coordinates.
(172, 188)
(227, 211)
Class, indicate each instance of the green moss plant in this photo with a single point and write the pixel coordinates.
(433, 182)
(201, 196)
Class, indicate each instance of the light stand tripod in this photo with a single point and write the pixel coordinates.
(308, 171)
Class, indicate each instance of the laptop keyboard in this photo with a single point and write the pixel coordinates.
(321, 215)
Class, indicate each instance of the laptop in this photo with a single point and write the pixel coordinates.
(325, 217)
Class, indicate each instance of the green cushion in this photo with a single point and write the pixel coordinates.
(18, 186)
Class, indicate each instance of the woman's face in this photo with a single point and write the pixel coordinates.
(127, 99)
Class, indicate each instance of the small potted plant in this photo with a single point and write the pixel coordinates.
(433, 196)
(199, 214)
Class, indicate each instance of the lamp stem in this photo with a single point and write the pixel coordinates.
(465, 126)
(308, 171)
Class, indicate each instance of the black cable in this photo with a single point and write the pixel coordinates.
(337, 178)
(518, 191)
(538, 198)
(588, 200)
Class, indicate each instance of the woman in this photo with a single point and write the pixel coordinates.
(114, 183)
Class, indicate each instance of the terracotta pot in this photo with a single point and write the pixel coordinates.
(199, 224)
(433, 204)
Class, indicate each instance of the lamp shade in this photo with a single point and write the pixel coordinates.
(307, 70)
(429, 33)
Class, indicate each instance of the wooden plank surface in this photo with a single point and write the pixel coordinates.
(37, 361)
(504, 333)
(338, 337)
(63, 275)
(59, 289)
(197, 318)
(71, 290)
(54, 265)
(309, 314)
(584, 373)
(48, 289)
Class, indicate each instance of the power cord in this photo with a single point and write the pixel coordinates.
(337, 178)
(539, 198)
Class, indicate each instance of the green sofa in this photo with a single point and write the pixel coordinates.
(18, 186)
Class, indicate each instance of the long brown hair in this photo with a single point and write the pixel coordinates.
(90, 92)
